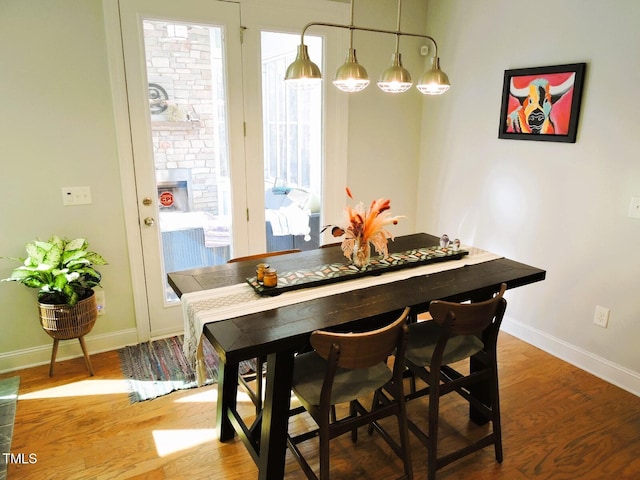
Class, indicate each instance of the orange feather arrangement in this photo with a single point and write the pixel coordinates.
(364, 227)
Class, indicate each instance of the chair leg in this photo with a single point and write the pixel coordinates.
(324, 450)
(353, 412)
(54, 352)
(434, 412)
(374, 404)
(403, 430)
(495, 411)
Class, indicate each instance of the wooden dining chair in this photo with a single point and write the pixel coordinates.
(327, 245)
(344, 368)
(458, 331)
(244, 379)
(259, 256)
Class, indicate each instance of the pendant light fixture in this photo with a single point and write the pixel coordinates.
(396, 78)
(303, 73)
(434, 81)
(353, 77)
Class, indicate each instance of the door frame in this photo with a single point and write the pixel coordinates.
(115, 52)
(338, 109)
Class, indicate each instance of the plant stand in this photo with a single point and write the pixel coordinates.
(62, 322)
(87, 360)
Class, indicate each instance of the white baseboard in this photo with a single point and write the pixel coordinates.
(41, 355)
(167, 332)
(600, 367)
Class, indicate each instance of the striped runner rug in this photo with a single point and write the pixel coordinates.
(154, 369)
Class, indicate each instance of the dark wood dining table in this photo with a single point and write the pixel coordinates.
(279, 333)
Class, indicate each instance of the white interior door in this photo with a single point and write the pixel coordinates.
(182, 64)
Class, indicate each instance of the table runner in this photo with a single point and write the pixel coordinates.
(340, 271)
(200, 308)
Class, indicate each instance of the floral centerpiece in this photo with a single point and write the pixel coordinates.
(365, 227)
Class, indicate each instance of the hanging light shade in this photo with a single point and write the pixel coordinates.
(351, 76)
(396, 78)
(302, 73)
(434, 81)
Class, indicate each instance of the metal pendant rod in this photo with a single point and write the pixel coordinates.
(398, 27)
(368, 29)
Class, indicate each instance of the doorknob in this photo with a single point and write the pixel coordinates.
(146, 201)
(149, 221)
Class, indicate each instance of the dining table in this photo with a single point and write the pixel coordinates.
(278, 333)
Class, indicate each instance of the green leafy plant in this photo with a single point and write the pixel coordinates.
(62, 270)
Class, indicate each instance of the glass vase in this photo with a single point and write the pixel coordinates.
(361, 253)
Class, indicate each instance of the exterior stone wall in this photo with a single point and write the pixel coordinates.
(187, 134)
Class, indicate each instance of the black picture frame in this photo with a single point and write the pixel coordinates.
(555, 118)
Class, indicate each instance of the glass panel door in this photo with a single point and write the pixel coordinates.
(187, 138)
(188, 117)
(296, 142)
(292, 142)
(203, 163)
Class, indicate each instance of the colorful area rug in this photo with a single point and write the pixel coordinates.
(8, 399)
(157, 368)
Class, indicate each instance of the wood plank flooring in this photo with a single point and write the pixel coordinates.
(558, 423)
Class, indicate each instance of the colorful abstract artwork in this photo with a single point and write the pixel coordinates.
(542, 103)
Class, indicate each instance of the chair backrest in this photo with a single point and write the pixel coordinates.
(361, 350)
(327, 245)
(263, 255)
(469, 318)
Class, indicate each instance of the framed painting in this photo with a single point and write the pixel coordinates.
(542, 103)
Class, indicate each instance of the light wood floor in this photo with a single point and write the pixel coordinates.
(558, 423)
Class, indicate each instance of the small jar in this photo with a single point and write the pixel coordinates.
(260, 268)
(270, 277)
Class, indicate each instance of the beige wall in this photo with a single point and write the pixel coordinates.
(562, 207)
(57, 130)
(385, 130)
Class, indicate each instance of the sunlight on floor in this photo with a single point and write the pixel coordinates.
(205, 396)
(242, 397)
(77, 389)
(172, 441)
(211, 395)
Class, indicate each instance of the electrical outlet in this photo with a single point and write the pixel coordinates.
(101, 302)
(601, 316)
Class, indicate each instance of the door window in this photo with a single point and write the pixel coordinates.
(188, 118)
(292, 142)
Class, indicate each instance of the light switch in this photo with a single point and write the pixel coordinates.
(76, 196)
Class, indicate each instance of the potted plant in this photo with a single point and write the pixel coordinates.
(62, 271)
